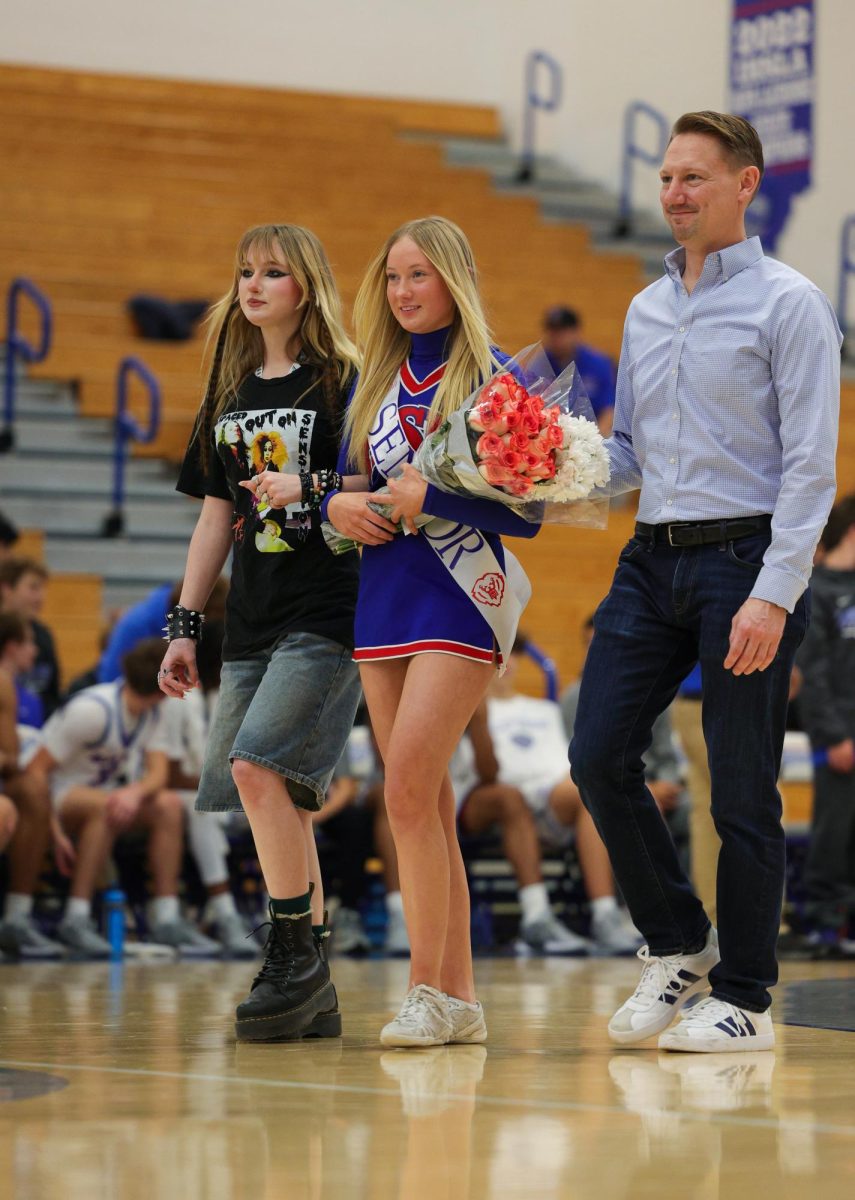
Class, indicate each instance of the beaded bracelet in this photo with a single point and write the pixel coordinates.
(306, 488)
(328, 481)
(183, 623)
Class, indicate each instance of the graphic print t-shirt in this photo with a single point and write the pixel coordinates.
(284, 577)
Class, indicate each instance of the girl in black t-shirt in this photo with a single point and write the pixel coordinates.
(262, 453)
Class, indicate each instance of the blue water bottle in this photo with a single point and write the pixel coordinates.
(114, 921)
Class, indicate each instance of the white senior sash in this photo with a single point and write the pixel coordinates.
(499, 595)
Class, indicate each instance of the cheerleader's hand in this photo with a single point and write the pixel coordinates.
(274, 489)
(408, 493)
(350, 514)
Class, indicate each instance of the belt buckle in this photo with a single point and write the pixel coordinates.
(671, 528)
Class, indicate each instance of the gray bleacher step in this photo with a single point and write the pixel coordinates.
(117, 595)
(118, 560)
(45, 397)
(172, 517)
(146, 478)
(566, 196)
(53, 436)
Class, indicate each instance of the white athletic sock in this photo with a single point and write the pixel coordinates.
(534, 901)
(78, 909)
(18, 906)
(208, 843)
(164, 910)
(394, 903)
(222, 905)
(602, 905)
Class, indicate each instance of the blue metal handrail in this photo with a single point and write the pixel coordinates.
(17, 346)
(847, 268)
(547, 665)
(127, 430)
(533, 100)
(631, 151)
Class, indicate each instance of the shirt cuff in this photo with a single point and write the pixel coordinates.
(325, 503)
(778, 587)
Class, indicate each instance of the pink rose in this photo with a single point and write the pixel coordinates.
(489, 445)
(520, 486)
(545, 469)
(511, 460)
(494, 473)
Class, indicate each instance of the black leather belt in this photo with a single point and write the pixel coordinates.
(703, 533)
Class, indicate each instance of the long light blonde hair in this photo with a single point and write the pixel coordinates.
(383, 344)
(238, 345)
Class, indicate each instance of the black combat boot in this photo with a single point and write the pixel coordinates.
(292, 996)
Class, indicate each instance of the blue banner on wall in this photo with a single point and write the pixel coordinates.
(772, 86)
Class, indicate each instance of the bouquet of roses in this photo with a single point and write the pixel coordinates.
(526, 438)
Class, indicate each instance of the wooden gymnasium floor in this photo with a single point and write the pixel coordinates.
(123, 1083)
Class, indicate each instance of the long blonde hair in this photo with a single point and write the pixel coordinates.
(383, 344)
(238, 346)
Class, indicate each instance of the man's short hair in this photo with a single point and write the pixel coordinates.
(561, 317)
(738, 139)
(13, 570)
(13, 629)
(140, 666)
(840, 521)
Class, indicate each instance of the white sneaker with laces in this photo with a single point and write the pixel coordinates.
(548, 935)
(665, 986)
(467, 1022)
(716, 1027)
(422, 1021)
(614, 933)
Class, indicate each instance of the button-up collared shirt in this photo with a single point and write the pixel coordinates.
(727, 405)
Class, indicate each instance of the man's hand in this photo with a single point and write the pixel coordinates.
(123, 806)
(665, 792)
(755, 636)
(841, 758)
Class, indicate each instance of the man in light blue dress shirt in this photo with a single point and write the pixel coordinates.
(726, 418)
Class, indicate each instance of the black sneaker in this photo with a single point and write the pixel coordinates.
(292, 996)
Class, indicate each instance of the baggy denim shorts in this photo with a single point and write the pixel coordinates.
(289, 709)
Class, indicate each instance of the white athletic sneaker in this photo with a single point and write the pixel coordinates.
(716, 1027)
(614, 933)
(234, 935)
(21, 938)
(185, 939)
(423, 1020)
(467, 1022)
(397, 941)
(82, 938)
(548, 935)
(349, 932)
(665, 986)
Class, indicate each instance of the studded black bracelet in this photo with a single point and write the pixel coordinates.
(183, 623)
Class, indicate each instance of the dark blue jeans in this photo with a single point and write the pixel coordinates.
(667, 608)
